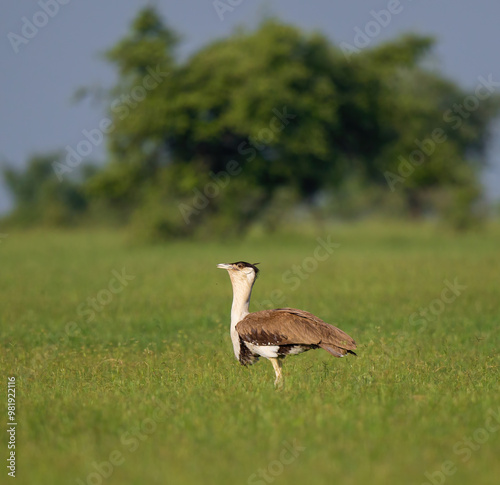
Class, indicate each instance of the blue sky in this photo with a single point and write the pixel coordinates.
(40, 74)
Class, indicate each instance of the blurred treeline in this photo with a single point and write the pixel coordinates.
(269, 126)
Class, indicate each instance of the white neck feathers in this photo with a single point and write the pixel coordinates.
(242, 291)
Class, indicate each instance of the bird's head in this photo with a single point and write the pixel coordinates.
(241, 272)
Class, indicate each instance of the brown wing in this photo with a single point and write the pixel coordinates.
(289, 326)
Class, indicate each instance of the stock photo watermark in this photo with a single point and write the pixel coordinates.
(298, 273)
(429, 313)
(129, 442)
(227, 6)
(275, 468)
(363, 36)
(11, 425)
(246, 148)
(105, 296)
(465, 448)
(121, 107)
(40, 19)
(455, 117)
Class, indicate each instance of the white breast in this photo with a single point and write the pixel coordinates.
(267, 351)
(235, 338)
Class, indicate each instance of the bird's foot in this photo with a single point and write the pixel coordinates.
(278, 383)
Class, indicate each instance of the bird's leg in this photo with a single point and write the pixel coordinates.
(278, 382)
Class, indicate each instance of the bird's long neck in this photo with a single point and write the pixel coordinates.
(242, 290)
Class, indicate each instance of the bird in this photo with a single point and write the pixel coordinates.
(275, 334)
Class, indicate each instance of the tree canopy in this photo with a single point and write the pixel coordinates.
(263, 120)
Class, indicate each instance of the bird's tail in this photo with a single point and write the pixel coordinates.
(336, 351)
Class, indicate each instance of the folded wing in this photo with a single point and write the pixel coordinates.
(289, 326)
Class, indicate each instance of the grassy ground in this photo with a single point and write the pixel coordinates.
(139, 385)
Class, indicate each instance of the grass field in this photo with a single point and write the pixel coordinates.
(132, 380)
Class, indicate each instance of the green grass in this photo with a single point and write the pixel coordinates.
(151, 380)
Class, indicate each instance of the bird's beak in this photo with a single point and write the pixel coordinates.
(225, 266)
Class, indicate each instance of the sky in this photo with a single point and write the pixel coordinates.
(50, 48)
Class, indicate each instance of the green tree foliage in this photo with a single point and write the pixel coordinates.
(40, 198)
(256, 123)
(275, 110)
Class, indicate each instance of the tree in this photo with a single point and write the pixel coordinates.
(256, 123)
(276, 109)
(137, 107)
(40, 198)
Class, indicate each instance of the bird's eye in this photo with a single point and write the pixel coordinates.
(240, 266)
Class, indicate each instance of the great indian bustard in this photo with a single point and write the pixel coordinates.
(274, 334)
